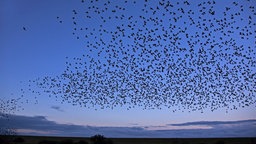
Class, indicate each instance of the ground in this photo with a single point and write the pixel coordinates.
(36, 140)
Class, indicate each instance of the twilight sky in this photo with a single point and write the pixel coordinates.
(129, 68)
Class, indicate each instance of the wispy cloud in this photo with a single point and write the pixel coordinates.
(39, 125)
(214, 123)
(57, 108)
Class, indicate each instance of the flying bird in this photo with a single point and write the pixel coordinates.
(162, 55)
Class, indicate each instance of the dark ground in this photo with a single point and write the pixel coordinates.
(75, 140)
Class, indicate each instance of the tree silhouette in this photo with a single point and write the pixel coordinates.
(100, 139)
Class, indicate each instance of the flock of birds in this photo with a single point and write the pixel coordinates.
(7, 107)
(192, 55)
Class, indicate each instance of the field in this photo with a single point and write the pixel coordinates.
(75, 140)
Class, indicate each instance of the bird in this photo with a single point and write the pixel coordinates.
(163, 55)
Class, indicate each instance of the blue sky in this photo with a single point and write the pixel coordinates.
(42, 49)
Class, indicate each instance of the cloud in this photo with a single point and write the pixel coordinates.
(214, 123)
(242, 128)
(39, 125)
(57, 108)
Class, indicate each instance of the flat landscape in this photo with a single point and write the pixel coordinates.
(76, 140)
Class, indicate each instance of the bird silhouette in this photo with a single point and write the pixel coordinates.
(164, 54)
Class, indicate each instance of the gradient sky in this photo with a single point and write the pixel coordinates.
(41, 50)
